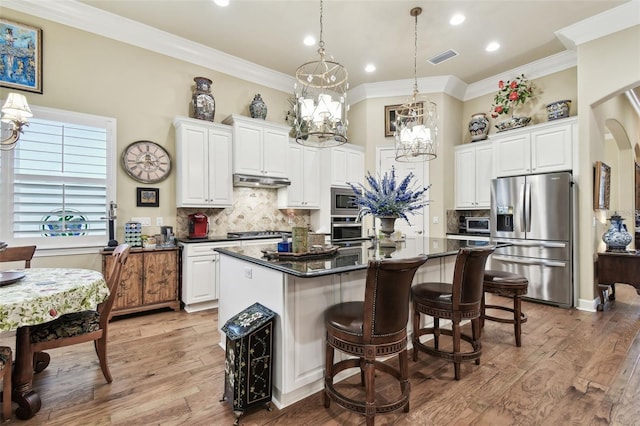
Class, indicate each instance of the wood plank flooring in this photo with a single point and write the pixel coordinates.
(574, 368)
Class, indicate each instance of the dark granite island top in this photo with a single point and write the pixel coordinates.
(349, 258)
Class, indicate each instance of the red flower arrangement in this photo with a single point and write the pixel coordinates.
(511, 94)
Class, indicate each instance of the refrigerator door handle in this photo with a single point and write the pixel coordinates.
(530, 262)
(523, 214)
(527, 207)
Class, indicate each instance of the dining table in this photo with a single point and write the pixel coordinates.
(34, 296)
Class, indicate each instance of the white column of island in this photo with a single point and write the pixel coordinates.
(300, 291)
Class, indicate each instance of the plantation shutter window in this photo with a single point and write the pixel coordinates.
(55, 183)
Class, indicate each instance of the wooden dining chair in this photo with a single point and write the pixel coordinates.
(17, 254)
(5, 373)
(85, 326)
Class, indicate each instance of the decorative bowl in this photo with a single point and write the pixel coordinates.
(512, 123)
(558, 109)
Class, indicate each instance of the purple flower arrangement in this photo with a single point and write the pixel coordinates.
(385, 197)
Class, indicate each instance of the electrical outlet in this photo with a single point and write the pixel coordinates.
(144, 221)
(248, 272)
(159, 221)
(436, 219)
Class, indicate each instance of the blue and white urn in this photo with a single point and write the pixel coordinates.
(617, 238)
(257, 108)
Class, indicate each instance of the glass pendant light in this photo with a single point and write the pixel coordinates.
(417, 119)
(321, 101)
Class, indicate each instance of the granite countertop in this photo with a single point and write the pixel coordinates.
(349, 258)
(223, 238)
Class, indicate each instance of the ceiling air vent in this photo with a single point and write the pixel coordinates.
(444, 56)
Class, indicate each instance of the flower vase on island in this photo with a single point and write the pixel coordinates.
(388, 200)
(387, 227)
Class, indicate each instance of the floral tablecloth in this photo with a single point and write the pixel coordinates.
(46, 293)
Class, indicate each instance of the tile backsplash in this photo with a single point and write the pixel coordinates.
(254, 209)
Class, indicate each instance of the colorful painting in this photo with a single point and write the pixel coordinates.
(21, 56)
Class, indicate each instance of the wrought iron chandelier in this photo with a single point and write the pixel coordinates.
(321, 101)
(416, 120)
(15, 112)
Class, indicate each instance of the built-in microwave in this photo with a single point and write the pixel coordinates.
(343, 202)
(478, 225)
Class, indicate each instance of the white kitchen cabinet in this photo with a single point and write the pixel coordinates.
(304, 173)
(543, 148)
(347, 165)
(200, 276)
(473, 175)
(203, 164)
(258, 146)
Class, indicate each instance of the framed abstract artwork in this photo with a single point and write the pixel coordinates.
(20, 56)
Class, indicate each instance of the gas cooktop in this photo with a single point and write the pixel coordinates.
(257, 234)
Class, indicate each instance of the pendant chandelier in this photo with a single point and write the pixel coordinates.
(321, 101)
(417, 119)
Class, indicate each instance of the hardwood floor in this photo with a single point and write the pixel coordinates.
(574, 368)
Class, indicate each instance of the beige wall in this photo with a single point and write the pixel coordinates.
(604, 71)
(144, 91)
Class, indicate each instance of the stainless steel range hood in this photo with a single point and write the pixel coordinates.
(260, 181)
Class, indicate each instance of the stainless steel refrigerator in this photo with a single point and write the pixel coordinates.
(535, 214)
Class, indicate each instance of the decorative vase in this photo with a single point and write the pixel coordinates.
(479, 127)
(617, 238)
(387, 225)
(257, 108)
(558, 109)
(203, 105)
(513, 123)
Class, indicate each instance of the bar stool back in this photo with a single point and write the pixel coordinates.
(369, 329)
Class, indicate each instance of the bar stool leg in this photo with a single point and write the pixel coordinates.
(517, 316)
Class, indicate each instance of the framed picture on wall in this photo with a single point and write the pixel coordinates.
(390, 115)
(20, 56)
(601, 186)
(148, 197)
(390, 119)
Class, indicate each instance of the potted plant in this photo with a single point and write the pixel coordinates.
(387, 200)
(511, 94)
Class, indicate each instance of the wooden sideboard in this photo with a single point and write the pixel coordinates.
(612, 268)
(150, 280)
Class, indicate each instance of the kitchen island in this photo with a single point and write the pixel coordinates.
(299, 291)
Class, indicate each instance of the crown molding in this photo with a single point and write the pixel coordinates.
(87, 18)
(448, 84)
(619, 18)
(540, 68)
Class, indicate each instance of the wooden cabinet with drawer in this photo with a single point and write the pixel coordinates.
(149, 280)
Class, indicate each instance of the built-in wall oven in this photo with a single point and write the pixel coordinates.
(345, 228)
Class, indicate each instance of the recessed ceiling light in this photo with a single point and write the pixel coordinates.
(221, 3)
(370, 68)
(492, 47)
(457, 19)
(309, 40)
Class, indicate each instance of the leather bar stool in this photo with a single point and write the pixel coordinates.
(510, 285)
(375, 327)
(457, 301)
